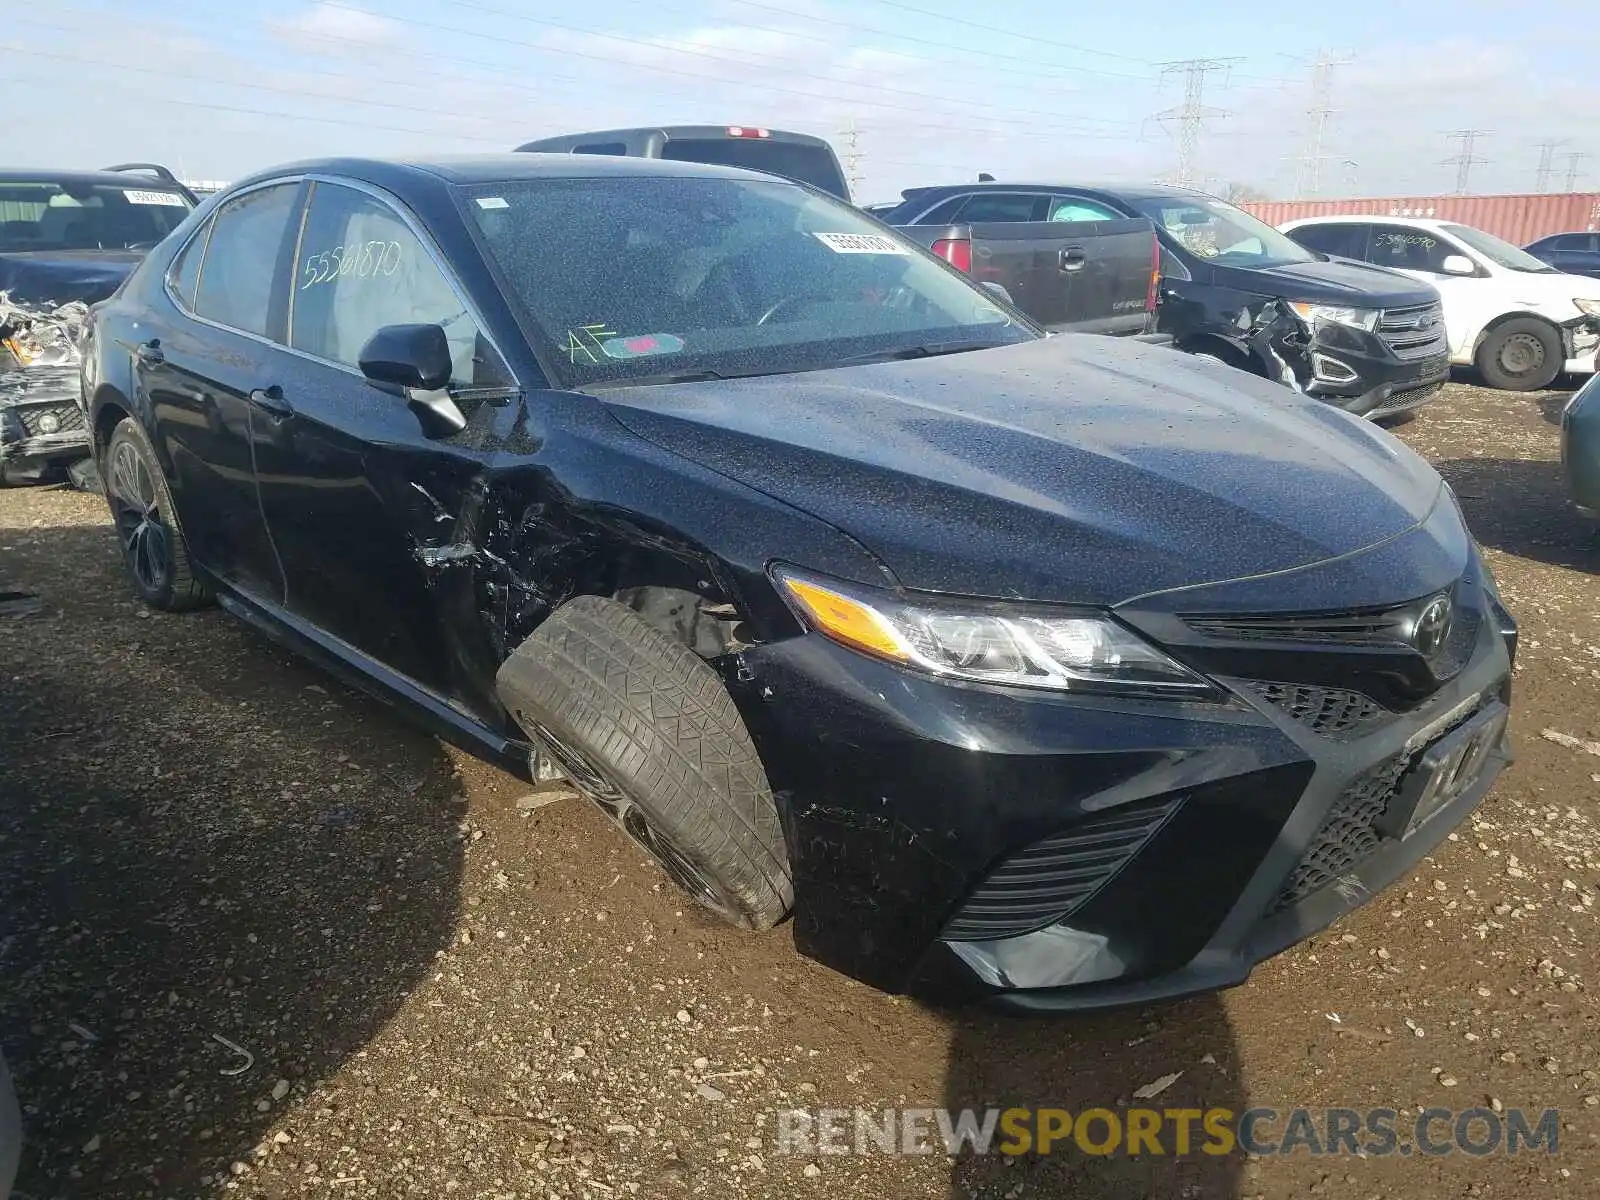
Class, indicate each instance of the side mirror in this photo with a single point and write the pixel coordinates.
(414, 361)
(1457, 264)
(408, 356)
(997, 290)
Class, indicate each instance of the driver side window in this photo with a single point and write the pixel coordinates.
(359, 268)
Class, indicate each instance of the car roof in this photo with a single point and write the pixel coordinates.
(126, 179)
(695, 132)
(511, 167)
(1119, 191)
(1434, 223)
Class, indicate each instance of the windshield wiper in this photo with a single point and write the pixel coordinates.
(931, 350)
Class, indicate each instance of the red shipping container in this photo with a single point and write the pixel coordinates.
(1517, 219)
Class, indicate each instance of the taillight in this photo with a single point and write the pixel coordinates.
(747, 131)
(1155, 275)
(955, 251)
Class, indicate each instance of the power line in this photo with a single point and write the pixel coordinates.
(1308, 175)
(1465, 161)
(1547, 155)
(1192, 114)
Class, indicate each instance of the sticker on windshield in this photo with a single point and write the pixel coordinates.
(860, 243)
(641, 346)
(585, 342)
(493, 202)
(165, 199)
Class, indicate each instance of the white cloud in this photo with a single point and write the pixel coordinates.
(326, 23)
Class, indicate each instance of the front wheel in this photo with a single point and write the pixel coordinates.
(1523, 355)
(645, 729)
(153, 550)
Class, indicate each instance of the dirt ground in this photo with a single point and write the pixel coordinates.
(446, 986)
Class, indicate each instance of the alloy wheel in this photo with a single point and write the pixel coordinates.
(136, 512)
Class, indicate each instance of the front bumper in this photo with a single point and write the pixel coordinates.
(1354, 371)
(1580, 448)
(41, 423)
(1581, 341)
(908, 799)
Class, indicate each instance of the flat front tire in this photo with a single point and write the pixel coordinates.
(645, 729)
(153, 550)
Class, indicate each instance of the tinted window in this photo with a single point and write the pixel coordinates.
(943, 214)
(1345, 241)
(811, 164)
(242, 256)
(1403, 248)
(185, 268)
(619, 149)
(628, 278)
(1002, 206)
(359, 267)
(1070, 208)
(1218, 232)
(71, 216)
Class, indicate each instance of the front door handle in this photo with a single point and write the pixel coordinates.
(271, 399)
(1073, 258)
(150, 353)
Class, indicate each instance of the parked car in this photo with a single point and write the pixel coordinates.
(797, 156)
(74, 235)
(1519, 321)
(1234, 289)
(1580, 447)
(1573, 253)
(1066, 268)
(42, 433)
(1060, 668)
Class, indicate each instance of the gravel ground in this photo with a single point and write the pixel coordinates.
(259, 935)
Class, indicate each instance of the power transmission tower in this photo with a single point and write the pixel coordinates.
(1308, 176)
(852, 155)
(1573, 159)
(1547, 158)
(1465, 161)
(1192, 114)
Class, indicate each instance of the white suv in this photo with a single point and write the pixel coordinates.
(1518, 320)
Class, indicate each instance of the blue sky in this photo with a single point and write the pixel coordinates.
(935, 90)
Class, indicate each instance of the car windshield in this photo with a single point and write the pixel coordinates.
(1214, 230)
(43, 216)
(1501, 253)
(806, 161)
(645, 279)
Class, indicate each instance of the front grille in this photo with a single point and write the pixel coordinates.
(68, 416)
(1331, 712)
(1049, 880)
(1413, 333)
(1346, 836)
(1402, 401)
(1372, 627)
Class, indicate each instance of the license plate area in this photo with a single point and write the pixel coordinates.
(1444, 769)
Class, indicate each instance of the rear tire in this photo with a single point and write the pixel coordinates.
(153, 549)
(645, 729)
(1522, 355)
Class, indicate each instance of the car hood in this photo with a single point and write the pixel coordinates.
(1336, 281)
(1073, 468)
(61, 276)
(1534, 288)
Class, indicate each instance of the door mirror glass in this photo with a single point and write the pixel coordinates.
(408, 356)
(1457, 264)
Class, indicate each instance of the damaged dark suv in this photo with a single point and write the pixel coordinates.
(1065, 670)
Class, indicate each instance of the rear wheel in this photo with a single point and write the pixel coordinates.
(1522, 355)
(153, 549)
(645, 729)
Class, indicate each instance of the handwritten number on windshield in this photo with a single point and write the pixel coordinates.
(364, 260)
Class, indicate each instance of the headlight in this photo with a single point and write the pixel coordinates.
(1036, 647)
(49, 423)
(1592, 307)
(1333, 314)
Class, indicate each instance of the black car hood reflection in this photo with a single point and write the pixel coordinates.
(62, 276)
(1334, 281)
(1074, 468)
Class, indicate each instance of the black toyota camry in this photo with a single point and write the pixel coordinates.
(1061, 669)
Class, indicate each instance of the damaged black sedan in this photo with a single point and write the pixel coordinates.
(1059, 669)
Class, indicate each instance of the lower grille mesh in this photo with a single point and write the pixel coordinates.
(1346, 836)
(1049, 880)
(1330, 712)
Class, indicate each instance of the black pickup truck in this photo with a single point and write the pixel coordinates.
(1236, 290)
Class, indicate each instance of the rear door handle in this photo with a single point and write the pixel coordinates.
(1073, 258)
(271, 399)
(150, 353)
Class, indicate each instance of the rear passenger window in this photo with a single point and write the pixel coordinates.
(1002, 206)
(185, 269)
(1070, 209)
(359, 268)
(943, 214)
(248, 237)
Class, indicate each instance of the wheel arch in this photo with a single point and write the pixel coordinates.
(1515, 314)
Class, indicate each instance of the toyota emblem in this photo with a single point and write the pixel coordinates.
(1433, 626)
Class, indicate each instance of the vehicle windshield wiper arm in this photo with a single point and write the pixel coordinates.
(930, 350)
